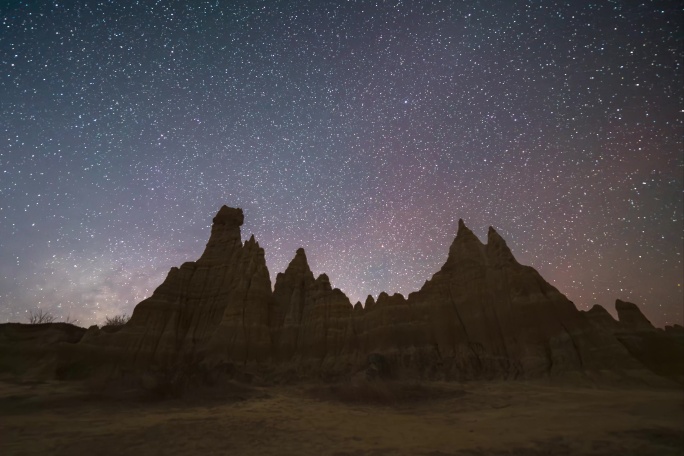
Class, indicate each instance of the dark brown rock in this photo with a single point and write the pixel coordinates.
(631, 318)
(482, 314)
(219, 304)
(290, 292)
(326, 322)
(490, 316)
(659, 350)
(675, 330)
(600, 318)
(31, 349)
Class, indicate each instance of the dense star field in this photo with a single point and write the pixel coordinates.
(361, 131)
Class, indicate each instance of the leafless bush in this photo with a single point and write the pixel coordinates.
(40, 316)
(70, 321)
(117, 320)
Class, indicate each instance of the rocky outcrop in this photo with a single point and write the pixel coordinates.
(29, 348)
(485, 315)
(661, 351)
(316, 324)
(675, 331)
(219, 305)
(290, 293)
(631, 318)
(482, 314)
(600, 318)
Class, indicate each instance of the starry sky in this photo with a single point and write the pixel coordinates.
(359, 130)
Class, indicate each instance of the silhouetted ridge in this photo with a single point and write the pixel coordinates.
(481, 315)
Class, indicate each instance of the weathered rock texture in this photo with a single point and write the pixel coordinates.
(26, 348)
(662, 351)
(219, 305)
(482, 315)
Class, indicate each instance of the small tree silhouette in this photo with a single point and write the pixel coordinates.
(40, 316)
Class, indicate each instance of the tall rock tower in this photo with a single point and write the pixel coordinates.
(219, 303)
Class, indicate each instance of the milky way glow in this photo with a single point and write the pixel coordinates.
(361, 131)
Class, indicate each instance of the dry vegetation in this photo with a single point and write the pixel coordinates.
(374, 418)
(117, 320)
(39, 316)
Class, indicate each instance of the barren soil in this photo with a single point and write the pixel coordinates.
(511, 418)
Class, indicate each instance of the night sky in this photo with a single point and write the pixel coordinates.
(361, 131)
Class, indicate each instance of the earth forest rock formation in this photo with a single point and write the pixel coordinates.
(482, 315)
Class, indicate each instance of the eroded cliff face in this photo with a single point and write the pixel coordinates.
(485, 315)
(482, 315)
(661, 351)
(220, 303)
(315, 323)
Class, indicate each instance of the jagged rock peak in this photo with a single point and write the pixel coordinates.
(630, 316)
(300, 257)
(464, 233)
(299, 264)
(493, 236)
(386, 299)
(497, 247)
(323, 282)
(462, 228)
(479, 316)
(600, 317)
(251, 242)
(323, 278)
(598, 309)
(229, 216)
(465, 247)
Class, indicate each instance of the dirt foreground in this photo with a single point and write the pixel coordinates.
(511, 418)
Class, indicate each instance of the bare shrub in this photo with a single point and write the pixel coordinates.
(117, 320)
(40, 316)
(70, 321)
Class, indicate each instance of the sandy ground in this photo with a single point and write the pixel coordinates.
(510, 418)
